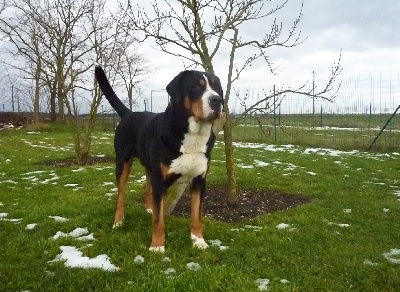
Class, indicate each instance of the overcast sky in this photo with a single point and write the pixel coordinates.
(366, 31)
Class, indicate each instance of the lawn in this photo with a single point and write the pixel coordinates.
(347, 238)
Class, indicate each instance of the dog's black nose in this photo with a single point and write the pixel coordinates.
(215, 101)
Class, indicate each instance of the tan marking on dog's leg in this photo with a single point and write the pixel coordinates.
(148, 194)
(196, 224)
(158, 236)
(119, 210)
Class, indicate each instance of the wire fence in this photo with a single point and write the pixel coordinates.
(364, 115)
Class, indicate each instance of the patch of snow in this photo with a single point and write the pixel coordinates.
(193, 266)
(262, 284)
(237, 229)
(391, 256)
(74, 258)
(107, 183)
(59, 219)
(337, 224)
(86, 237)
(260, 163)
(169, 271)
(77, 232)
(31, 226)
(138, 260)
(369, 263)
(282, 226)
(166, 260)
(255, 228)
(3, 217)
(243, 166)
(70, 185)
(218, 243)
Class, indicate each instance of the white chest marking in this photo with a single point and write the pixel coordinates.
(193, 161)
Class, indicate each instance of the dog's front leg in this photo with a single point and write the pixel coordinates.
(159, 193)
(197, 190)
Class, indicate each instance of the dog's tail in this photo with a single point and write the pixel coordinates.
(109, 93)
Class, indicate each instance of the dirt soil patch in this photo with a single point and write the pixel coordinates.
(68, 162)
(252, 203)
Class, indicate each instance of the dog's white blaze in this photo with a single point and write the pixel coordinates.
(207, 110)
(193, 161)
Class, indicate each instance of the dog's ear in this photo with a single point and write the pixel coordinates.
(220, 90)
(174, 88)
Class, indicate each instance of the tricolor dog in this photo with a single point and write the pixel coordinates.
(173, 146)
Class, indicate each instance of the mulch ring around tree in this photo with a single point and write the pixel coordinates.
(251, 203)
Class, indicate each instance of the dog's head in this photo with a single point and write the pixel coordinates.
(200, 93)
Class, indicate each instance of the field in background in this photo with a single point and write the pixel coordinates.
(342, 132)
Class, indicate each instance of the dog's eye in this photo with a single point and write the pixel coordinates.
(196, 87)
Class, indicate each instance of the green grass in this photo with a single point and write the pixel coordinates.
(314, 254)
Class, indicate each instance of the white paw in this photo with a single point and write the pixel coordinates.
(198, 242)
(149, 210)
(160, 249)
(118, 224)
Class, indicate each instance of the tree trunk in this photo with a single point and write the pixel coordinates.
(231, 196)
(53, 110)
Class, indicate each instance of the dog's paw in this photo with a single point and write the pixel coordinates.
(160, 249)
(198, 242)
(149, 210)
(118, 224)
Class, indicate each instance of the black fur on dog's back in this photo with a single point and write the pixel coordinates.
(109, 93)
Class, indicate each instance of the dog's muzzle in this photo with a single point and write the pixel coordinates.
(215, 102)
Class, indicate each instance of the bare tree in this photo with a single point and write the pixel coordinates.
(133, 69)
(61, 40)
(197, 30)
(26, 36)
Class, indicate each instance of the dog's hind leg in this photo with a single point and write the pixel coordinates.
(148, 193)
(123, 170)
